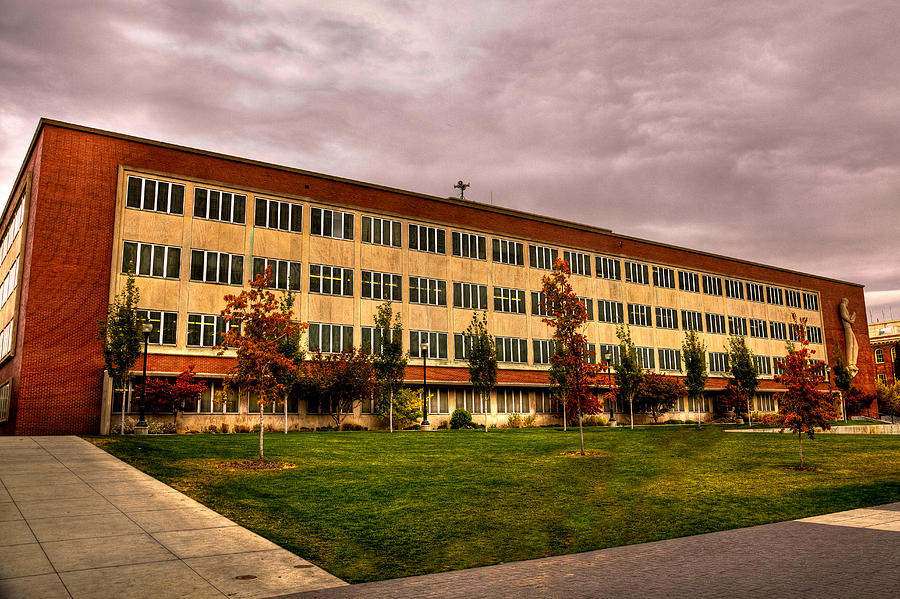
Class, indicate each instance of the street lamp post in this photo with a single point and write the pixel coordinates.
(141, 426)
(612, 404)
(424, 348)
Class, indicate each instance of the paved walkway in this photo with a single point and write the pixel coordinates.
(76, 522)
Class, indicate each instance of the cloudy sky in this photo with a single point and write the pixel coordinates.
(761, 130)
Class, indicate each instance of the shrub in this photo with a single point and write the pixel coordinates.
(350, 426)
(414, 427)
(212, 428)
(326, 428)
(514, 420)
(768, 419)
(593, 420)
(460, 419)
(115, 426)
(528, 420)
(242, 428)
(161, 428)
(224, 427)
(442, 426)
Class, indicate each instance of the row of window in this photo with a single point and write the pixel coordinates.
(8, 286)
(13, 229)
(6, 340)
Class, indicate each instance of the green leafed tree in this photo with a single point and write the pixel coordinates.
(481, 355)
(291, 348)
(693, 350)
(389, 363)
(629, 372)
(744, 377)
(122, 337)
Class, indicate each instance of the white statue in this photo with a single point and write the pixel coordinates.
(847, 320)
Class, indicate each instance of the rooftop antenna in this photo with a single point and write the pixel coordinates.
(462, 188)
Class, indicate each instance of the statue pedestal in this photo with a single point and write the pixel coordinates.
(140, 430)
(425, 427)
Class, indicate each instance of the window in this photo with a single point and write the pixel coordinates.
(792, 298)
(734, 289)
(588, 306)
(330, 280)
(438, 400)
(636, 273)
(6, 339)
(610, 311)
(778, 331)
(663, 277)
(689, 281)
(640, 315)
(427, 291)
(217, 267)
(737, 326)
(462, 344)
(538, 305)
(512, 349)
(331, 223)
(509, 300)
(437, 344)
(880, 377)
(380, 231)
(758, 328)
(148, 260)
(4, 402)
(471, 296)
(543, 349)
(544, 402)
(468, 400)
(273, 214)
(469, 245)
(793, 332)
(9, 282)
(755, 292)
(814, 334)
(14, 227)
(329, 338)
(579, 263)
(763, 365)
(427, 239)
(590, 353)
(165, 326)
(666, 318)
(224, 206)
(879, 356)
(645, 357)
(381, 286)
(371, 339)
(811, 301)
(774, 295)
(542, 257)
(765, 401)
(283, 274)
(778, 366)
(608, 268)
(512, 401)
(508, 252)
(718, 361)
(698, 404)
(610, 354)
(669, 359)
(151, 194)
(691, 321)
(715, 323)
(205, 330)
(712, 285)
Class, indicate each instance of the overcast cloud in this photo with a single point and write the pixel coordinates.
(764, 131)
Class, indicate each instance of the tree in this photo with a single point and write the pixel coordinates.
(803, 406)
(481, 356)
(629, 373)
(389, 360)
(694, 352)
(290, 348)
(658, 393)
(571, 374)
(843, 380)
(257, 326)
(163, 396)
(407, 407)
(341, 381)
(888, 398)
(122, 337)
(744, 376)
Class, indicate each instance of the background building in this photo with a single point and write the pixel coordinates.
(885, 338)
(90, 205)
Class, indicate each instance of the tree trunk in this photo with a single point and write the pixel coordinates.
(749, 414)
(124, 397)
(631, 410)
(565, 420)
(391, 412)
(580, 427)
(485, 411)
(800, 440)
(285, 414)
(260, 432)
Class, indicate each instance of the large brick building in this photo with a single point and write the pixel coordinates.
(88, 205)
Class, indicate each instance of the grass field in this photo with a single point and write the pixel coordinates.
(373, 505)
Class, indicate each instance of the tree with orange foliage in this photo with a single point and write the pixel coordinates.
(163, 396)
(803, 406)
(571, 374)
(257, 325)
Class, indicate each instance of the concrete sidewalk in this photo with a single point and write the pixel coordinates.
(75, 522)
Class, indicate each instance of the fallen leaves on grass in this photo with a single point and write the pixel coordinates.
(587, 454)
(255, 465)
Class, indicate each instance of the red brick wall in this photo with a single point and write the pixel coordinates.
(69, 265)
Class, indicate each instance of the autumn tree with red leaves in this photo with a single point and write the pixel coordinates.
(256, 327)
(571, 374)
(164, 396)
(803, 406)
(341, 381)
(658, 393)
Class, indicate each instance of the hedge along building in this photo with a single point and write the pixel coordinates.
(195, 225)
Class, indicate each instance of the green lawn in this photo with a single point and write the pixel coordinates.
(373, 505)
